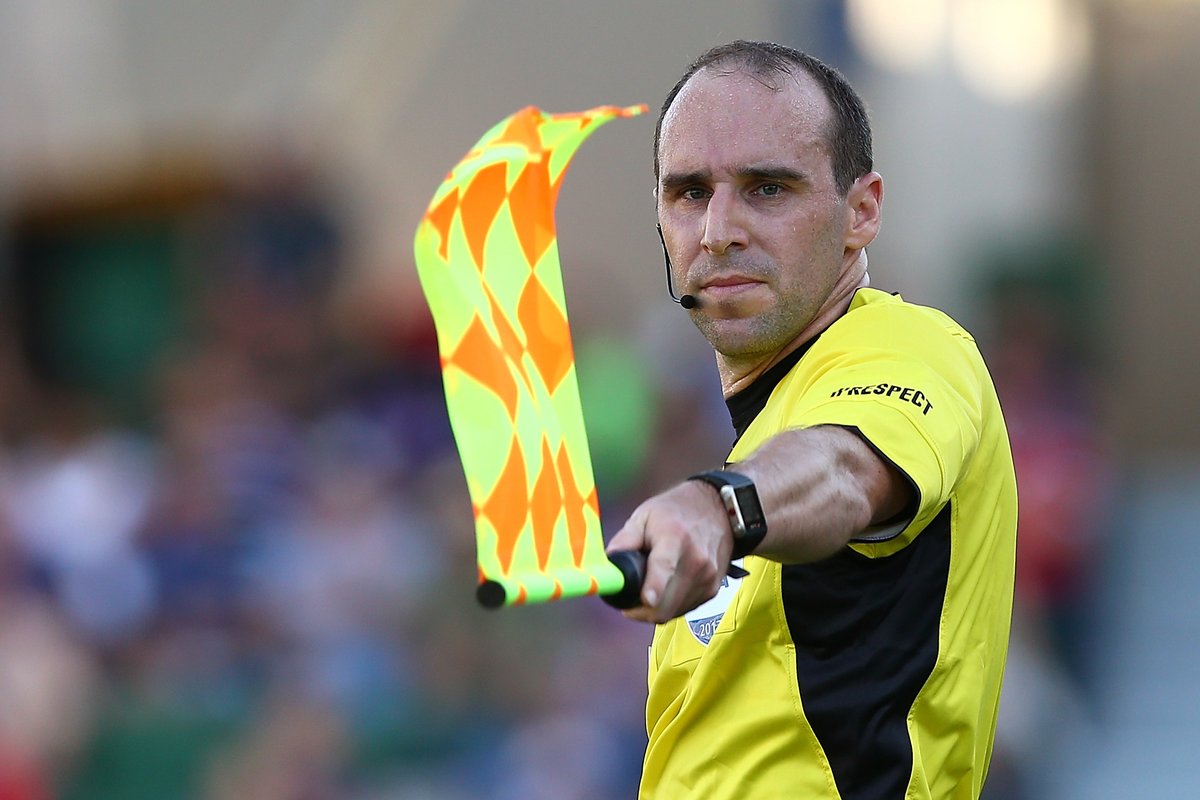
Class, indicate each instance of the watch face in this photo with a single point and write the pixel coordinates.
(752, 514)
(747, 521)
(753, 517)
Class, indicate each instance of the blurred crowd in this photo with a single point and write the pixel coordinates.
(256, 579)
(260, 583)
(1040, 345)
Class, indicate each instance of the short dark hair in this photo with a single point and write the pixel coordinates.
(850, 129)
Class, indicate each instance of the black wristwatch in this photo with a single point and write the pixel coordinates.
(740, 499)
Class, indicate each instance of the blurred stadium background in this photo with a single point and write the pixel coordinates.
(235, 544)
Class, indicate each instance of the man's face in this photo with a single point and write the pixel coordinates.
(750, 213)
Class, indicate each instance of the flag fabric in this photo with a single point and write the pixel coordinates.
(487, 257)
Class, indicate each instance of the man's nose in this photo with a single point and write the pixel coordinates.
(723, 224)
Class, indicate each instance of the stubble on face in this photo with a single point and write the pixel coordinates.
(747, 333)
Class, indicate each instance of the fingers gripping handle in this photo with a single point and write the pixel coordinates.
(633, 566)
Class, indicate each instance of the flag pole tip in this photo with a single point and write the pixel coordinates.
(490, 594)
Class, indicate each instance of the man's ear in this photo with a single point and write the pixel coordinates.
(864, 211)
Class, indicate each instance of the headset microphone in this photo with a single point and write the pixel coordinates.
(688, 301)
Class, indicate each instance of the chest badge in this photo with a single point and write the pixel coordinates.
(704, 618)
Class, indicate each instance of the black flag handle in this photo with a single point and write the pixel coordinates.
(633, 566)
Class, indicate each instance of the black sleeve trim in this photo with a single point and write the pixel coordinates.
(899, 523)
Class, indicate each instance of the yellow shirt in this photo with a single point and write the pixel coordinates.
(875, 673)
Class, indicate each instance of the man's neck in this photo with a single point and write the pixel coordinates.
(734, 378)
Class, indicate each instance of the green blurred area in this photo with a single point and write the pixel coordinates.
(619, 410)
(100, 303)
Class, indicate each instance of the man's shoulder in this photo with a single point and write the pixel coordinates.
(875, 311)
(882, 333)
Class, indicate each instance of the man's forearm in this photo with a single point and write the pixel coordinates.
(819, 488)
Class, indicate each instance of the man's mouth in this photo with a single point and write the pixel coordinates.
(724, 285)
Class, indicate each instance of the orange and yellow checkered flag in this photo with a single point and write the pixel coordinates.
(487, 256)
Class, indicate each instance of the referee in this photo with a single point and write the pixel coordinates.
(833, 605)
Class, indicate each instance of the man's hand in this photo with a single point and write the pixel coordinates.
(685, 533)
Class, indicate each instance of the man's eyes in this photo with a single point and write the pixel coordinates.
(696, 193)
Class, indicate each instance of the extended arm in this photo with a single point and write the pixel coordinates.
(819, 487)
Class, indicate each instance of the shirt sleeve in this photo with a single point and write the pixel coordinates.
(909, 382)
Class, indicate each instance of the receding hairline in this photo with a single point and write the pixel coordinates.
(743, 64)
(733, 66)
(848, 136)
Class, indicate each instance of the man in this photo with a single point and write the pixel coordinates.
(870, 494)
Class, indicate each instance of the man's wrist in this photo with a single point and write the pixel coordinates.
(739, 497)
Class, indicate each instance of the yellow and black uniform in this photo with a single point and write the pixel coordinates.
(875, 673)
